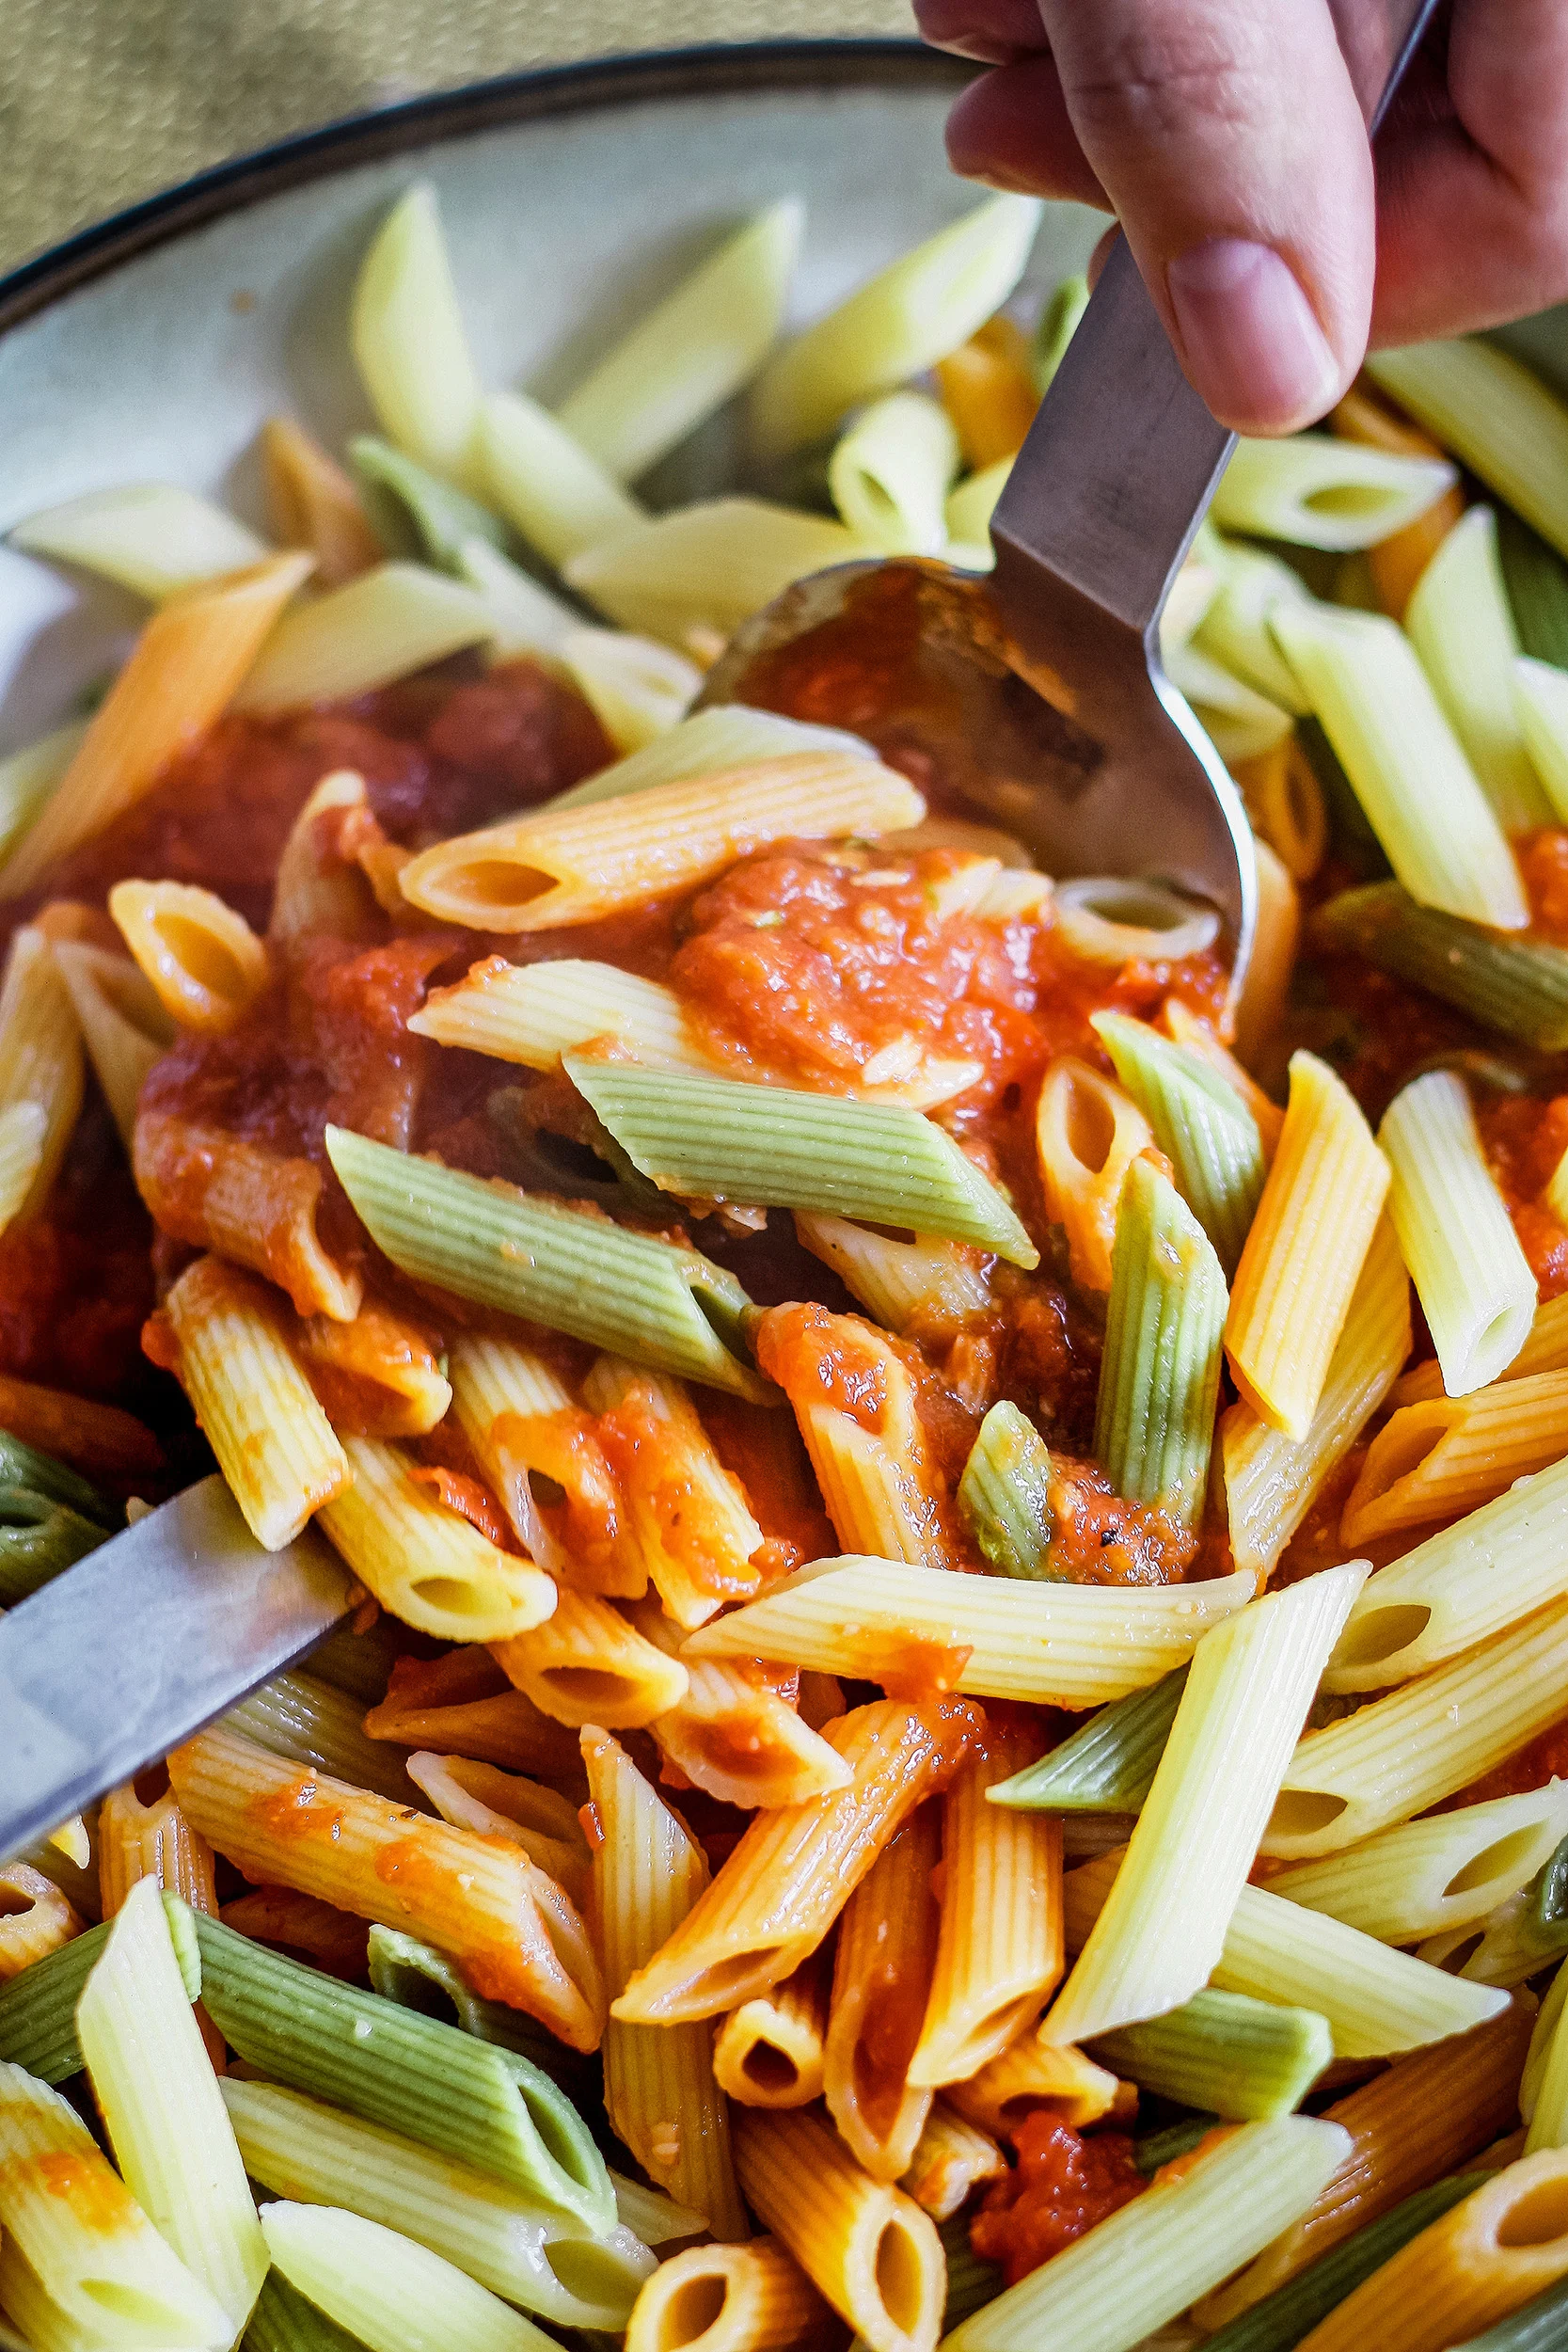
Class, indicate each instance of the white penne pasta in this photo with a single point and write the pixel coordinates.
(385, 2291)
(202, 960)
(1240, 723)
(728, 2299)
(41, 1067)
(1462, 625)
(711, 743)
(159, 2099)
(891, 472)
(29, 777)
(571, 864)
(1000, 1954)
(1088, 1133)
(1069, 1646)
(547, 483)
(659, 2091)
(884, 1963)
(914, 312)
(425, 1563)
(124, 1027)
(1546, 1350)
(691, 352)
(389, 621)
(408, 340)
(869, 2250)
(1270, 1479)
(493, 1803)
(637, 691)
(514, 1934)
(524, 617)
(1540, 705)
(1444, 1872)
(1460, 1587)
(768, 2053)
(533, 1013)
(1495, 414)
(710, 565)
(77, 2246)
(1455, 1235)
(149, 536)
(1405, 1752)
(274, 1443)
(1235, 627)
(1319, 491)
(1360, 675)
(970, 507)
(1446, 1456)
(182, 673)
(1249, 1687)
(585, 1665)
(902, 1283)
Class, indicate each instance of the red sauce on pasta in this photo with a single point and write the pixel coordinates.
(96, 2199)
(1063, 2184)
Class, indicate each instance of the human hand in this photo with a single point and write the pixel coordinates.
(1226, 137)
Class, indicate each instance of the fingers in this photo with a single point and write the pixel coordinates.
(993, 31)
(1472, 195)
(1228, 138)
(1012, 130)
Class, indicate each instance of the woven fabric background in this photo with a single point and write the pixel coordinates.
(106, 100)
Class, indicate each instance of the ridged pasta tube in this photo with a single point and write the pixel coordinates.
(408, 339)
(1088, 1134)
(1462, 626)
(312, 502)
(202, 958)
(585, 1665)
(766, 2303)
(1518, 986)
(151, 537)
(41, 1072)
(883, 1966)
(636, 689)
(425, 1563)
(889, 474)
(1541, 707)
(386, 2291)
(768, 2053)
(1205, 1130)
(1318, 491)
(549, 487)
(707, 567)
(1442, 1456)
(1164, 1326)
(951, 2159)
(1442, 1872)
(711, 743)
(124, 1027)
(38, 1919)
(1224, 2053)
(1495, 414)
(381, 626)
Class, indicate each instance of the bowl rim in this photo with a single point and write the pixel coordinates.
(533, 94)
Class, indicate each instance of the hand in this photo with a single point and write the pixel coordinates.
(1225, 137)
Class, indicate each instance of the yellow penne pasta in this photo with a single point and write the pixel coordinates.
(1033, 2073)
(1270, 1479)
(522, 1423)
(768, 2053)
(313, 504)
(124, 1027)
(882, 1970)
(427, 1564)
(23, 1129)
(513, 1932)
(572, 866)
(40, 1066)
(1305, 1253)
(951, 2159)
(533, 1013)
(1000, 1954)
(586, 1664)
(204, 962)
(316, 889)
(185, 666)
(728, 2299)
(257, 1207)
(1438, 1460)
(377, 1377)
(871, 2252)
(795, 1869)
(493, 1803)
(1066, 1646)
(1276, 935)
(1088, 1133)
(274, 1445)
(463, 1705)
(659, 2091)
(636, 689)
(687, 1522)
(36, 1918)
(138, 1841)
(733, 1733)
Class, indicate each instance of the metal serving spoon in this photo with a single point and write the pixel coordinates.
(1036, 691)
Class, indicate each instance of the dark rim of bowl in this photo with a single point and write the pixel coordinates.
(510, 98)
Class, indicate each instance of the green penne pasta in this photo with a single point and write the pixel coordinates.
(1461, 623)
(1058, 323)
(1108, 1764)
(295, 1715)
(531, 2253)
(412, 510)
(971, 506)
(419, 1978)
(1318, 491)
(652, 1302)
(41, 1474)
(717, 1139)
(1540, 2326)
(285, 2321)
(1493, 412)
(408, 2072)
(690, 353)
(408, 339)
(1377, 707)
(360, 1663)
(1156, 2149)
(1159, 1377)
(1004, 1494)
(37, 1538)
(388, 2291)
(1536, 578)
(1200, 1123)
(971, 2279)
(38, 2008)
(1246, 2060)
(1241, 722)
(1517, 986)
(1292, 2310)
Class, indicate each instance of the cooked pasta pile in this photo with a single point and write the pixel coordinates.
(953, 1731)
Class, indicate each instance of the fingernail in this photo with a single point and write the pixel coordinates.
(1249, 336)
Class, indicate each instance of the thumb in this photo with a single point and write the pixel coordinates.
(1228, 138)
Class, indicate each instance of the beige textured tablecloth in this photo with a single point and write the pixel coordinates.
(103, 101)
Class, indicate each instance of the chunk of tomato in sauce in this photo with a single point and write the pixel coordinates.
(1063, 2184)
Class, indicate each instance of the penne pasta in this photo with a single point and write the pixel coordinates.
(138, 1841)
(1462, 626)
(711, 743)
(385, 2289)
(29, 777)
(1088, 1134)
(1033, 2073)
(552, 491)
(375, 1376)
(951, 2159)
(889, 474)
(247, 1203)
(885, 1963)
(987, 387)
(38, 1920)
(301, 1716)
(151, 538)
(1540, 709)
(408, 340)
(769, 2052)
(493, 1803)
(901, 1283)
(379, 626)
(181, 673)
(1320, 491)
(707, 568)
(41, 1073)
(688, 1526)
(1159, 1372)
(585, 1665)
(524, 617)
(1518, 986)
(637, 691)
(203, 962)
(313, 504)
(1495, 416)
(764, 2302)
(1442, 1872)
(733, 1731)
(511, 1930)
(426, 1562)
(124, 1027)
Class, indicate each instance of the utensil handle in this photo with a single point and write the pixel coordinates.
(1123, 458)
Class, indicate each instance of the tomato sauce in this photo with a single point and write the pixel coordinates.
(1063, 2184)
